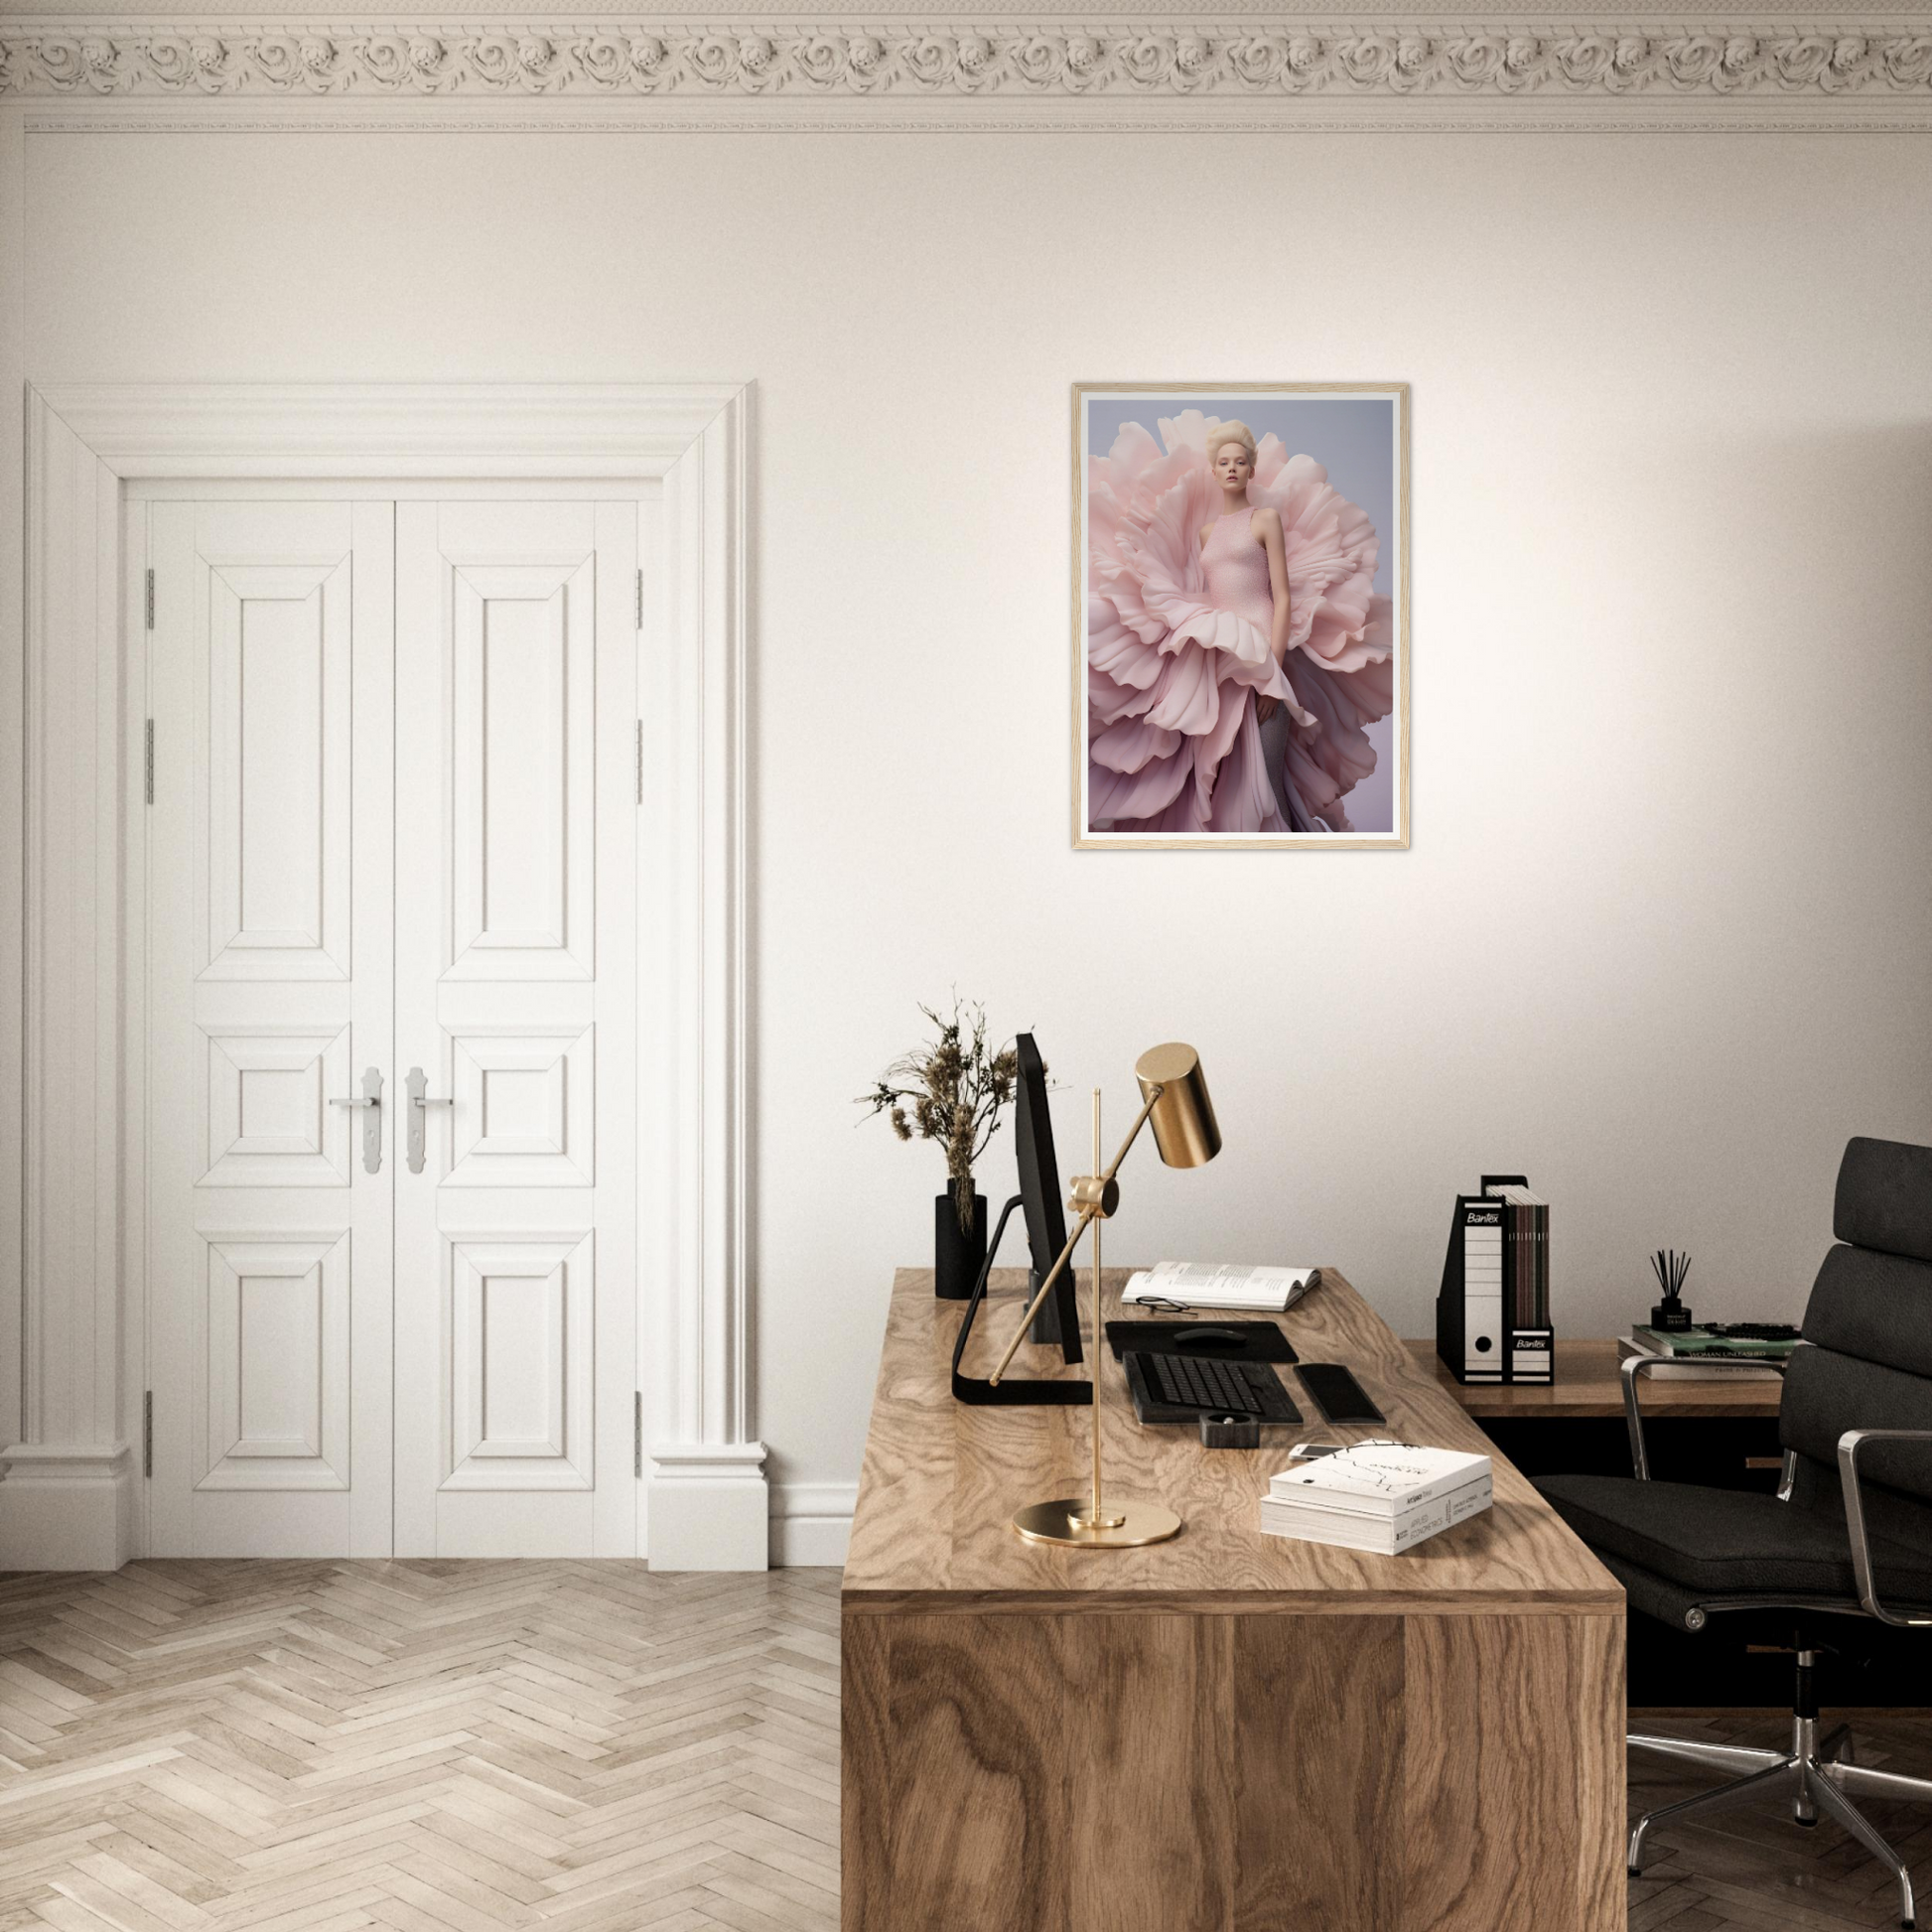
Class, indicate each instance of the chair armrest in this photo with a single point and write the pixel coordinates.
(1848, 1446)
(1635, 1365)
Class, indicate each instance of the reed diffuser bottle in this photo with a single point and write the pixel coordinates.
(1670, 1315)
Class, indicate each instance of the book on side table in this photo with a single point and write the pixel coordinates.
(1380, 1496)
(1692, 1354)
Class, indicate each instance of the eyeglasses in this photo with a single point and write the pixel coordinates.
(1163, 1306)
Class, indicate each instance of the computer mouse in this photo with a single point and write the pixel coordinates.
(1209, 1337)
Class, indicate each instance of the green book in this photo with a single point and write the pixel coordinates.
(1701, 1342)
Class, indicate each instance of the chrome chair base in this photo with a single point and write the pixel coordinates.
(1818, 1774)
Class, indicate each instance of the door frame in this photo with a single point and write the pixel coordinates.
(74, 1497)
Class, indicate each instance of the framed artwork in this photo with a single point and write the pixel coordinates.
(1241, 614)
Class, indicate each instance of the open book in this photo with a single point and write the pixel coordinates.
(1210, 1284)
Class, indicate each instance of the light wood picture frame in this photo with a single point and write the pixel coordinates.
(1241, 683)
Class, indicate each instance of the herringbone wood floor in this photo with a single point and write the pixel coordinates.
(323, 1746)
(569, 1747)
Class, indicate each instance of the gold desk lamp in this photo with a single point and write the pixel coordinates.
(1174, 1099)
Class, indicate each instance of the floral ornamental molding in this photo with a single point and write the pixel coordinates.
(1012, 62)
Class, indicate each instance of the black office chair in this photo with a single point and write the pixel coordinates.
(1849, 1535)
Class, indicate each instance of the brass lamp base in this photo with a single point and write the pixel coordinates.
(1129, 1526)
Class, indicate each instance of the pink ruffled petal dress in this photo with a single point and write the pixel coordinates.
(1179, 643)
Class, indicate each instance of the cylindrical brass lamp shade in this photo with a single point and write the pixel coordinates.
(1184, 1128)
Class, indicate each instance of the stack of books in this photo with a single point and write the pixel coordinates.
(1688, 1353)
(1385, 1497)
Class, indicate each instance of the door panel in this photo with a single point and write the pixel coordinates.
(279, 748)
(515, 1243)
(522, 1331)
(521, 770)
(524, 1107)
(278, 1364)
(270, 993)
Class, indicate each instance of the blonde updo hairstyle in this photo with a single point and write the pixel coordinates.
(1224, 433)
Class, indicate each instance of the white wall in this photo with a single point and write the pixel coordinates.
(1662, 938)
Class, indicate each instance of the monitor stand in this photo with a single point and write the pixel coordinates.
(1012, 1391)
(1046, 1324)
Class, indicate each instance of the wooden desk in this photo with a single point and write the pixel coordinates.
(1587, 1385)
(1228, 1732)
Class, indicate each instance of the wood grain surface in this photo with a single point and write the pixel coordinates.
(1513, 1773)
(979, 1828)
(941, 1480)
(1151, 1782)
(1318, 1736)
(1250, 1773)
(1587, 1385)
(485, 1745)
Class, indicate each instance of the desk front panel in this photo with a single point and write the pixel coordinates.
(1031, 1773)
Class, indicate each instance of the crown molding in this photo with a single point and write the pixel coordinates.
(1180, 71)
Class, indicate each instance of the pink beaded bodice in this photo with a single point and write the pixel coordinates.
(1236, 568)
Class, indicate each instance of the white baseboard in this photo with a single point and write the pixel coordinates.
(67, 1506)
(710, 1507)
(811, 1523)
(72, 1508)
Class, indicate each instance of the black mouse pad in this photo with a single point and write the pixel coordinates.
(1217, 1341)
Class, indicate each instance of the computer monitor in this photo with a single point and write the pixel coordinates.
(1039, 1193)
(1039, 1199)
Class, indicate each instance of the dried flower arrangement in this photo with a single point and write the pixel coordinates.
(950, 1091)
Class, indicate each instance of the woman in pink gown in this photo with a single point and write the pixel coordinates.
(1235, 645)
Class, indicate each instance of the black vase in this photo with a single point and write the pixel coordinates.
(957, 1258)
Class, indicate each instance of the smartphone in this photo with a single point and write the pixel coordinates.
(1336, 1393)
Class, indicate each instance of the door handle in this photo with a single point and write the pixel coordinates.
(372, 1098)
(417, 1081)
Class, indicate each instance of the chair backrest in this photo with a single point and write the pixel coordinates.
(1870, 1327)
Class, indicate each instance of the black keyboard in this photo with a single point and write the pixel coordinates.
(1208, 1387)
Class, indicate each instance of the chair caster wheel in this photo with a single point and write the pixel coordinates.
(1807, 1822)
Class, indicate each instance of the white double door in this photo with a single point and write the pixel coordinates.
(390, 860)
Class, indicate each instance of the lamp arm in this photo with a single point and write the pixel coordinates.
(1087, 1216)
(1033, 1307)
(1133, 1133)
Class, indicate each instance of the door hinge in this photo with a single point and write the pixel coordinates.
(147, 1433)
(638, 1434)
(148, 762)
(640, 597)
(640, 761)
(150, 600)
